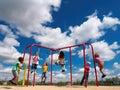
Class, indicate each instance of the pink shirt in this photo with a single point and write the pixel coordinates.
(98, 60)
(87, 69)
(35, 60)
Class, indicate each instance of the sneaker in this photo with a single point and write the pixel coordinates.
(12, 82)
(56, 63)
(103, 76)
(31, 72)
(63, 70)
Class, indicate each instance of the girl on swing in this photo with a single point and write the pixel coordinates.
(60, 60)
(45, 69)
(35, 62)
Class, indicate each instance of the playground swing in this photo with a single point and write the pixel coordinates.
(60, 60)
(51, 59)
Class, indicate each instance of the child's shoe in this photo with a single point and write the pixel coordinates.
(63, 70)
(31, 72)
(103, 76)
(56, 63)
(12, 82)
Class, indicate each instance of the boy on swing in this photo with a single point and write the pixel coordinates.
(60, 60)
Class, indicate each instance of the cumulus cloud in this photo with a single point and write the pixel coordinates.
(5, 30)
(110, 22)
(116, 65)
(80, 33)
(106, 51)
(55, 57)
(8, 52)
(93, 28)
(27, 15)
(54, 38)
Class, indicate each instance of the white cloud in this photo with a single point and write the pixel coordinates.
(80, 33)
(10, 42)
(27, 15)
(107, 52)
(5, 73)
(116, 65)
(93, 28)
(114, 46)
(8, 52)
(110, 22)
(4, 30)
(53, 38)
(60, 75)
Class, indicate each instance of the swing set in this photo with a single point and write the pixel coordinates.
(52, 50)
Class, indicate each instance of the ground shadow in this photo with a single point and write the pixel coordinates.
(5, 87)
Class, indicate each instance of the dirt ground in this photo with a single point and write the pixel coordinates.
(59, 88)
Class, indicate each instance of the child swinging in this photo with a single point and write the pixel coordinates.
(45, 69)
(35, 62)
(60, 60)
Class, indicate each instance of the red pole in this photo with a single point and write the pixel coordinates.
(70, 66)
(84, 55)
(34, 78)
(51, 68)
(97, 83)
(29, 66)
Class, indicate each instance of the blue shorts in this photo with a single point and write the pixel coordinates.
(34, 66)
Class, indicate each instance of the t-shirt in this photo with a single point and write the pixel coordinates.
(15, 67)
(35, 60)
(45, 68)
(87, 69)
(98, 60)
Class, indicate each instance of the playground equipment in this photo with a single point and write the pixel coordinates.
(51, 60)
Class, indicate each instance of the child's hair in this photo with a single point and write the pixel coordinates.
(46, 63)
(61, 55)
(88, 63)
(20, 59)
(96, 55)
(36, 53)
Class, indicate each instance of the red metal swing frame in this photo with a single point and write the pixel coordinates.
(52, 51)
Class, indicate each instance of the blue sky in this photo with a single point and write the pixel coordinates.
(59, 23)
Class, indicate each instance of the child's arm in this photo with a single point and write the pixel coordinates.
(19, 66)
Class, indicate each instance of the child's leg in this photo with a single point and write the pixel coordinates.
(86, 79)
(43, 79)
(101, 71)
(63, 67)
(103, 74)
(57, 62)
(81, 83)
(34, 67)
(15, 78)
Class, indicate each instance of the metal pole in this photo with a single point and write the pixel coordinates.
(34, 78)
(84, 55)
(51, 67)
(70, 66)
(97, 83)
(27, 82)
